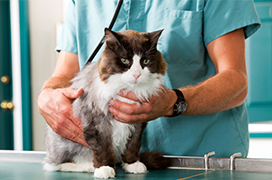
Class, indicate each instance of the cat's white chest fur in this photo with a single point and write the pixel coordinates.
(120, 135)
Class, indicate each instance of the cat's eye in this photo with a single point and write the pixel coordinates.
(146, 61)
(125, 61)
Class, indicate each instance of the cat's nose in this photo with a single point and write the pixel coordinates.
(136, 75)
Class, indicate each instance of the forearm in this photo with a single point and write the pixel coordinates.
(218, 93)
(56, 82)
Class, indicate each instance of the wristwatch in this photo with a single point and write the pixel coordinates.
(180, 105)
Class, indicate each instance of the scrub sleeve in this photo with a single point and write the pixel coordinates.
(224, 16)
(68, 38)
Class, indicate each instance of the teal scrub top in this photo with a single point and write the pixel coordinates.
(189, 26)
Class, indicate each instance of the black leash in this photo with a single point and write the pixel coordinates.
(120, 2)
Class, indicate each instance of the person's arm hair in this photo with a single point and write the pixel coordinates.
(226, 89)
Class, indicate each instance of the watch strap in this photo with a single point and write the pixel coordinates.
(180, 100)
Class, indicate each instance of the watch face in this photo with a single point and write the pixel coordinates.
(181, 107)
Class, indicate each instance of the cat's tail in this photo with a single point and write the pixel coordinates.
(154, 160)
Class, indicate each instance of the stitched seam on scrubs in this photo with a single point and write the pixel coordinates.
(237, 129)
(235, 27)
(184, 14)
(68, 49)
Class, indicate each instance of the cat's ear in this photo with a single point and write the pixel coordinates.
(111, 36)
(154, 38)
(113, 39)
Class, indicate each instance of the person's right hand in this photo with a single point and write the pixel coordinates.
(55, 105)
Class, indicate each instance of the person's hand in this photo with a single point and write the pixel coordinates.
(156, 106)
(55, 105)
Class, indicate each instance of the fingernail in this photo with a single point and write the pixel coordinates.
(79, 90)
(122, 92)
(110, 109)
(111, 102)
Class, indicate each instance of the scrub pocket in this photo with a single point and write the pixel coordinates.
(182, 41)
(181, 44)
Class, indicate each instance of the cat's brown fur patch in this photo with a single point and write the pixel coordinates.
(154, 160)
(133, 146)
(104, 158)
(100, 143)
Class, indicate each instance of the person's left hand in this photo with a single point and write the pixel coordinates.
(157, 106)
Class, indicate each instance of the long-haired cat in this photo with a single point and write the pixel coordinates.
(130, 62)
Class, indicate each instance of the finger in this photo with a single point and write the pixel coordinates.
(118, 115)
(62, 124)
(65, 107)
(80, 91)
(127, 118)
(75, 134)
(128, 95)
(128, 108)
(72, 93)
(130, 120)
(68, 110)
(67, 129)
(77, 121)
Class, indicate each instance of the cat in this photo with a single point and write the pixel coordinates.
(130, 62)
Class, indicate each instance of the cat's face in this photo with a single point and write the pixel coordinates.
(131, 56)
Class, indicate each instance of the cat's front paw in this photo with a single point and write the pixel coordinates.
(104, 172)
(137, 167)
